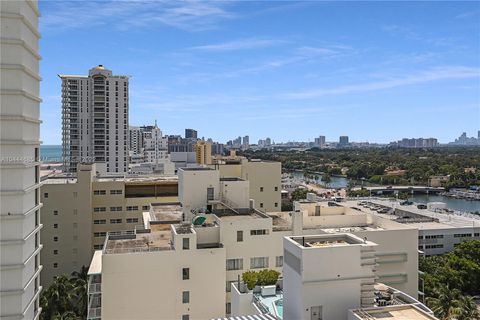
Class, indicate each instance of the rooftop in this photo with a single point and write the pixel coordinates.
(197, 169)
(228, 215)
(165, 213)
(328, 240)
(138, 242)
(403, 312)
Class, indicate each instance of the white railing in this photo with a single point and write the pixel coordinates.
(94, 288)
(94, 313)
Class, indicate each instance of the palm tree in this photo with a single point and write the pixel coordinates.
(465, 309)
(80, 289)
(443, 305)
(57, 298)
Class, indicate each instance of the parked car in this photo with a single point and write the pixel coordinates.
(421, 206)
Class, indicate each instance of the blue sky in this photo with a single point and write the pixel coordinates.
(376, 71)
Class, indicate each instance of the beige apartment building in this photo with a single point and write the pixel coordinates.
(203, 152)
(264, 180)
(252, 239)
(81, 209)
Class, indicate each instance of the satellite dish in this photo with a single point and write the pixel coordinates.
(198, 220)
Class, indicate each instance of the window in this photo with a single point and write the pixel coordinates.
(228, 308)
(276, 188)
(116, 192)
(185, 273)
(258, 232)
(239, 236)
(186, 297)
(98, 246)
(55, 226)
(228, 285)
(132, 220)
(145, 207)
(434, 246)
(103, 221)
(261, 189)
(276, 204)
(99, 209)
(99, 192)
(279, 261)
(55, 251)
(45, 195)
(477, 234)
(75, 194)
(234, 264)
(55, 239)
(115, 208)
(261, 204)
(55, 212)
(132, 208)
(115, 221)
(99, 234)
(55, 265)
(435, 236)
(258, 262)
(186, 244)
(462, 235)
(185, 317)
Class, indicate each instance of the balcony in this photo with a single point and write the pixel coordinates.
(94, 313)
(95, 288)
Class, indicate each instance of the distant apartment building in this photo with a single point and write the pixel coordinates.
(155, 145)
(343, 141)
(416, 143)
(20, 161)
(178, 144)
(320, 142)
(463, 140)
(135, 138)
(246, 142)
(203, 151)
(190, 134)
(95, 119)
(81, 210)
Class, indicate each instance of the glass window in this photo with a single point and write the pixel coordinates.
(185, 317)
(234, 264)
(186, 297)
(185, 273)
(239, 236)
(279, 261)
(186, 243)
(258, 262)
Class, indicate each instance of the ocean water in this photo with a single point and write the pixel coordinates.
(51, 153)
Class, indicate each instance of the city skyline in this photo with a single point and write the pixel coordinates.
(227, 69)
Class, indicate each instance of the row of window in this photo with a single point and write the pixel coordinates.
(261, 189)
(115, 209)
(255, 263)
(74, 251)
(275, 204)
(458, 235)
(256, 232)
(104, 192)
(434, 246)
(115, 221)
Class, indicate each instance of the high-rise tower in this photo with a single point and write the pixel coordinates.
(95, 119)
(20, 161)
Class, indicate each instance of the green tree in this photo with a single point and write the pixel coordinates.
(299, 194)
(56, 300)
(443, 305)
(80, 290)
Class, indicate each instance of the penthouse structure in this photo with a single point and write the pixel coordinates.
(95, 119)
(328, 276)
(20, 161)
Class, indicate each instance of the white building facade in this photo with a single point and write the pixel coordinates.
(20, 161)
(95, 119)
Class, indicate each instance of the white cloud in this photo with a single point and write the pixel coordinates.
(435, 74)
(241, 44)
(188, 15)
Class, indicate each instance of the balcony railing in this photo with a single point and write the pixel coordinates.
(94, 288)
(94, 313)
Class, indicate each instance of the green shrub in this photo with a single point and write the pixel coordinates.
(267, 277)
(250, 279)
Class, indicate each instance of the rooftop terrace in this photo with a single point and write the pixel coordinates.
(165, 213)
(138, 242)
(404, 312)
